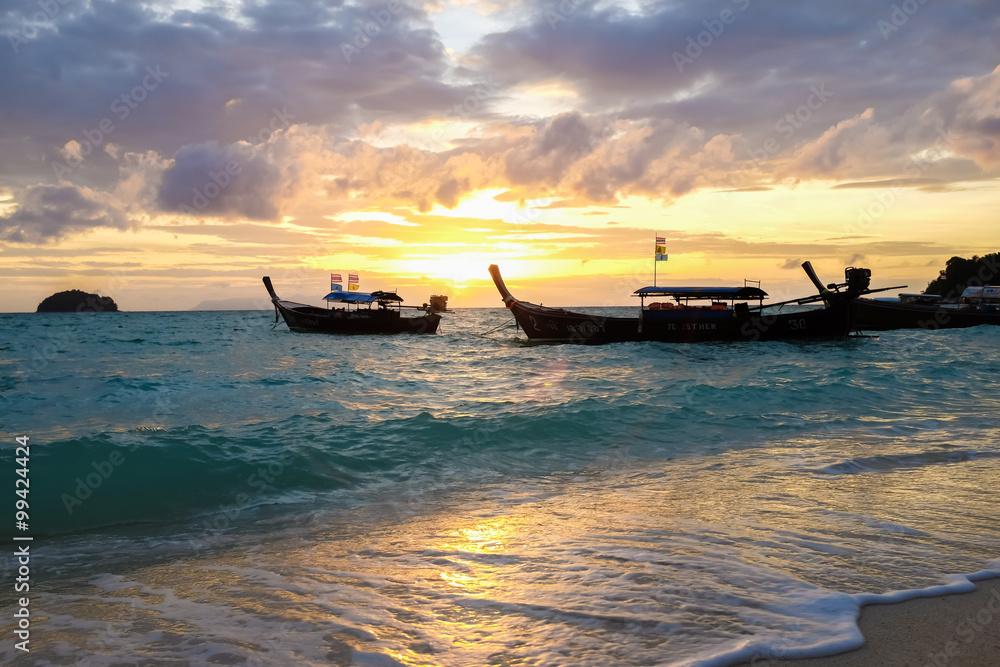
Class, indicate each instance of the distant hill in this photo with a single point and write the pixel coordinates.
(960, 273)
(77, 301)
(235, 304)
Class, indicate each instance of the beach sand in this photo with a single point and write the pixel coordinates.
(961, 630)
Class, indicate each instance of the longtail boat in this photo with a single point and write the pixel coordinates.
(975, 306)
(729, 316)
(355, 314)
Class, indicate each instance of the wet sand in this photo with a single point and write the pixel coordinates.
(961, 630)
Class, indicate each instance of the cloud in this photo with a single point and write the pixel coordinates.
(924, 183)
(447, 194)
(616, 54)
(48, 212)
(836, 151)
(581, 158)
(226, 181)
(545, 155)
(83, 66)
(952, 134)
(970, 110)
(259, 107)
(749, 73)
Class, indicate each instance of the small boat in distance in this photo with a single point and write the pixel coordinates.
(977, 305)
(728, 317)
(385, 318)
(439, 304)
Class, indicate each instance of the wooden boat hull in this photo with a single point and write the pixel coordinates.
(310, 319)
(303, 318)
(875, 315)
(556, 325)
(553, 325)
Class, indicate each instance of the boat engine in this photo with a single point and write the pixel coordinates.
(858, 279)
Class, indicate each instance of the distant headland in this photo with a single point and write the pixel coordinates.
(77, 301)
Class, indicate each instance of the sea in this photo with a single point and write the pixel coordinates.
(209, 488)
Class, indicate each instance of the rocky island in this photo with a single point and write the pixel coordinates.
(77, 301)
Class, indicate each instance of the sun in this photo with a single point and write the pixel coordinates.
(483, 205)
(458, 268)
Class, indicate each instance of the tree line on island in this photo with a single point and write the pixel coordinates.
(960, 273)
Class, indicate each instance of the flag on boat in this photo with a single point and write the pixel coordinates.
(661, 249)
(335, 282)
(352, 282)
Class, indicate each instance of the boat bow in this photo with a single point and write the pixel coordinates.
(270, 288)
(508, 298)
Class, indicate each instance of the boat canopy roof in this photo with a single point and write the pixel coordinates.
(746, 292)
(350, 297)
(361, 297)
(986, 292)
(386, 296)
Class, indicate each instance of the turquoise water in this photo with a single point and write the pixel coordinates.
(207, 489)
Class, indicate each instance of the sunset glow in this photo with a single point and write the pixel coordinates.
(554, 143)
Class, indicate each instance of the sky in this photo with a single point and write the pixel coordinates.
(170, 154)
